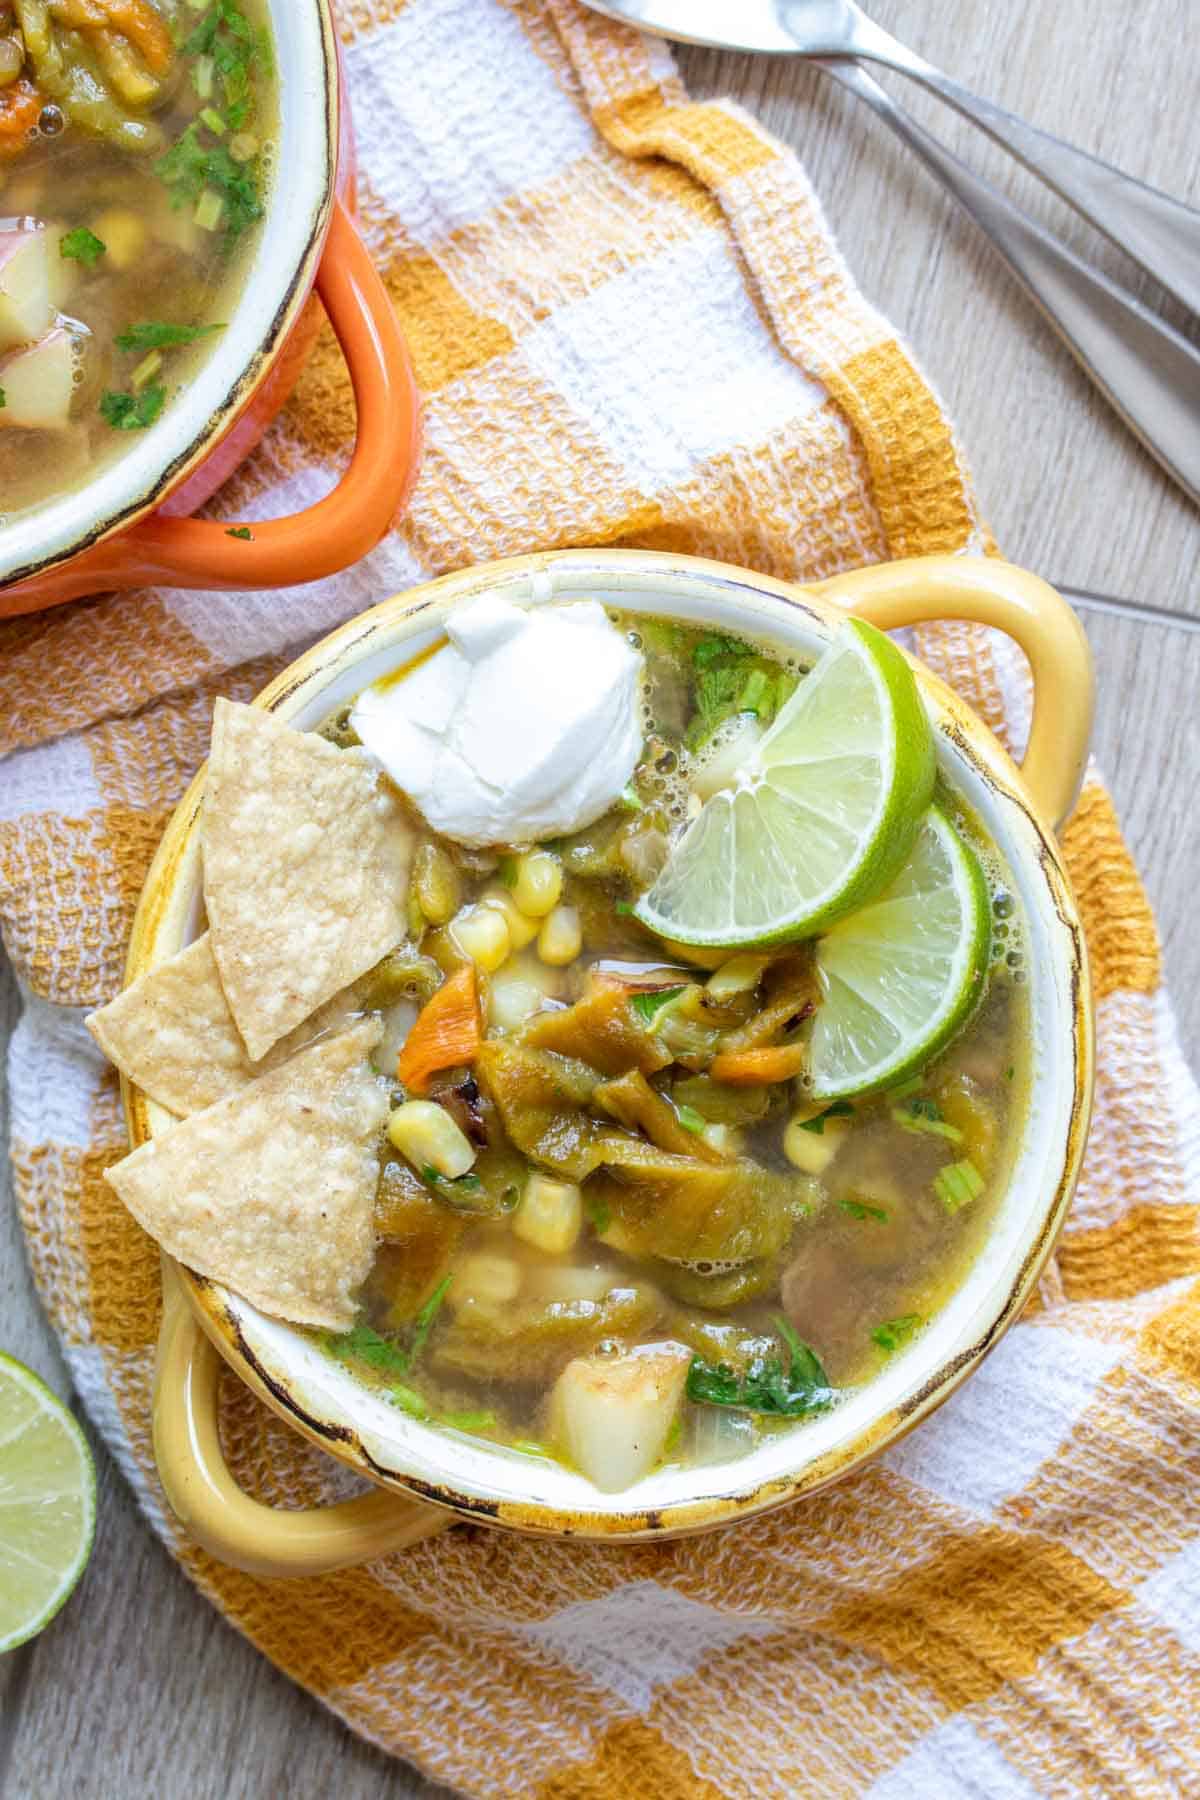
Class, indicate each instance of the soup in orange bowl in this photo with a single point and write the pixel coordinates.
(136, 149)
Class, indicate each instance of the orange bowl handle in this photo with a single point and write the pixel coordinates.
(325, 537)
(986, 591)
(214, 1510)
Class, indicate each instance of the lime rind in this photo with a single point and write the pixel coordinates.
(822, 817)
(901, 976)
(47, 1503)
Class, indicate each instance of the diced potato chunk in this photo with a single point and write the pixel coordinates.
(25, 307)
(812, 1151)
(38, 383)
(612, 1415)
(485, 1278)
(550, 1216)
(123, 234)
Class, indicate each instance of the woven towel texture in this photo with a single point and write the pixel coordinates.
(632, 327)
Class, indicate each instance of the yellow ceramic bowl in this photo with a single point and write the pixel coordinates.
(425, 1477)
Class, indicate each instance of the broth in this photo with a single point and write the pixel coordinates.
(128, 210)
(802, 1247)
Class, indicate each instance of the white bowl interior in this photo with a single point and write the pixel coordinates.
(299, 191)
(473, 1469)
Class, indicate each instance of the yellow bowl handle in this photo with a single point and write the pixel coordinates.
(989, 592)
(215, 1511)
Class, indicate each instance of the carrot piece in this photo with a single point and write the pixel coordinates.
(135, 20)
(755, 1068)
(20, 107)
(447, 1032)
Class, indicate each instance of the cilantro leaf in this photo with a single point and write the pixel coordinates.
(241, 531)
(82, 246)
(362, 1344)
(716, 645)
(598, 1211)
(189, 167)
(895, 1332)
(132, 412)
(862, 1209)
(648, 1004)
(155, 334)
(767, 1386)
(425, 1319)
(840, 1109)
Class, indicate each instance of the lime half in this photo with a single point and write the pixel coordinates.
(823, 812)
(47, 1503)
(901, 976)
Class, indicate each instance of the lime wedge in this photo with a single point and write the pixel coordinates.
(823, 812)
(47, 1503)
(902, 975)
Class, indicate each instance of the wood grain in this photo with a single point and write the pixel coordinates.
(139, 1688)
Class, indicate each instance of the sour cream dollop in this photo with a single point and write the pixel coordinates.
(526, 725)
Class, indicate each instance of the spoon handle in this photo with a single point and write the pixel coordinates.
(1160, 233)
(1148, 371)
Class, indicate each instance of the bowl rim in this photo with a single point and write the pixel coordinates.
(43, 537)
(159, 929)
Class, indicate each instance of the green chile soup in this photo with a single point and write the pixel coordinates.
(609, 1038)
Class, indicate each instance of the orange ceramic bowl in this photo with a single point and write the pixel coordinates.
(129, 527)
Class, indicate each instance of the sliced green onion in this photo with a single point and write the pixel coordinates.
(148, 367)
(754, 692)
(202, 77)
(209, 208)
(690, 1119)
(957, 1184)
(211, 117)
(469, 1421)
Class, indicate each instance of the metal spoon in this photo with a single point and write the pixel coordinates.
(1160, 233)
(1147, 370)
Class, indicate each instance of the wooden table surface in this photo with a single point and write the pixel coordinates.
(139, 1688)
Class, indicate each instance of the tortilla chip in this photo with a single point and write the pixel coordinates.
(272, 1191)
(173, 1034)
(306, 863)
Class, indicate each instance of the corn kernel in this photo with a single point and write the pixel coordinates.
(538, 885)
(521, 929)
(481, 932)
(550, 1216)
(123, 235)
(812, 1151)
(436, 883)
(425, 1133)
(561, 938)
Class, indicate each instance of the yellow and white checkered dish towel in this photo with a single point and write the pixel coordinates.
(632, 327)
